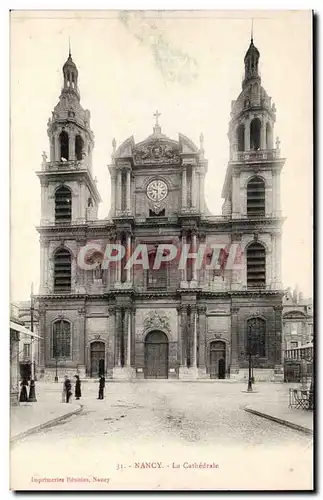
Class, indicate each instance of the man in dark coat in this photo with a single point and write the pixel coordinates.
(101, 387)
(77, 387)
(68, 388)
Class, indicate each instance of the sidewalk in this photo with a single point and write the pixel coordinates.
(28, 418)
(298, 419)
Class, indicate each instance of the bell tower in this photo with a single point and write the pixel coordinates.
(69, 132)
(69, 193)
(252, 185)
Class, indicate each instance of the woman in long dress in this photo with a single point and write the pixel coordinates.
(23, 393)
(77, 387)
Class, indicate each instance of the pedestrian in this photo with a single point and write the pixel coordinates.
(68, 388)
(23, 398)
(77, 387)
(101, 387)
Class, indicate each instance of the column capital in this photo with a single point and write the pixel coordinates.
(235, 310)
(182, 308)
(236, 236)
(201, 309)
(202, 236)
(81, 311)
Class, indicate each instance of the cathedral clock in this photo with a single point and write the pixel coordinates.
(157, 190)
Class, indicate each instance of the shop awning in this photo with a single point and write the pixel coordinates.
(23, 329)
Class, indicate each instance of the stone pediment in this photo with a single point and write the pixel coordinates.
(156, 321)
(156, 150)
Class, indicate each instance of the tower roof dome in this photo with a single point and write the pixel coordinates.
(252, 50)
(70, 64)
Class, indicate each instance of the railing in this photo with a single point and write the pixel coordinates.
(64, 165)
(262, 154)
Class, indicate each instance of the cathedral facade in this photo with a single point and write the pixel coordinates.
(198, 321)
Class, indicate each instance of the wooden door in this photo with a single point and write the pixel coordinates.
(217, 360)
(156, 355)
(97, 357)
(221, 370)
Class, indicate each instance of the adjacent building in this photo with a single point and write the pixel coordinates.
(196, 322)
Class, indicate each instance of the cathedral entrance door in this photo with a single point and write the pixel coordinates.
(221, 368)
(156, 355)
(217, 359)
(97, 359)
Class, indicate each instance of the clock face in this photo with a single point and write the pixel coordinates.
(157, 190)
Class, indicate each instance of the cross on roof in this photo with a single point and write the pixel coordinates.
(157, 114)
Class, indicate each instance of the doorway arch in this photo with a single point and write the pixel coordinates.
(217, 359)
(97, 354)
(156, 355)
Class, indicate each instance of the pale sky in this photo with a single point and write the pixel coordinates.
(189, 66)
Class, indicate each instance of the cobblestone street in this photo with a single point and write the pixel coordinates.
(172, 424)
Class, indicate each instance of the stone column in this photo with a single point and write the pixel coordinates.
(184, 187)
(193, 187)
(278, 207)
(43, 264)
(119, 190)
(202, 337)
(57, 147)
(46, 265)
(279, 370)
(42, 333)
(129, 336)
(194, 275)
(278, 252)
(194, 330)
(184, 271)
(263, 134)
(235, 341)
(184, 332)
(118, 273)
(247, 135)
(71, 146)
(117, 337)
(179, 336)
(128, 190)
(236, 194)
(202, 177)
(52, 149)
(128, 270)
(113, 192)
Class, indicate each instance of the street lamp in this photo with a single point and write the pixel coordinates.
(56, 362)
(32, 390)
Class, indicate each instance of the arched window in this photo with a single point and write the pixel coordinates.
(256, 197)
(255, 127)
(256, 266)
(256, 337)
(156, 278)
(269, 136)
(63, 204)
(79, 147)
(240, 137)
(63, 140)
(61, 339)
(62, 270)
